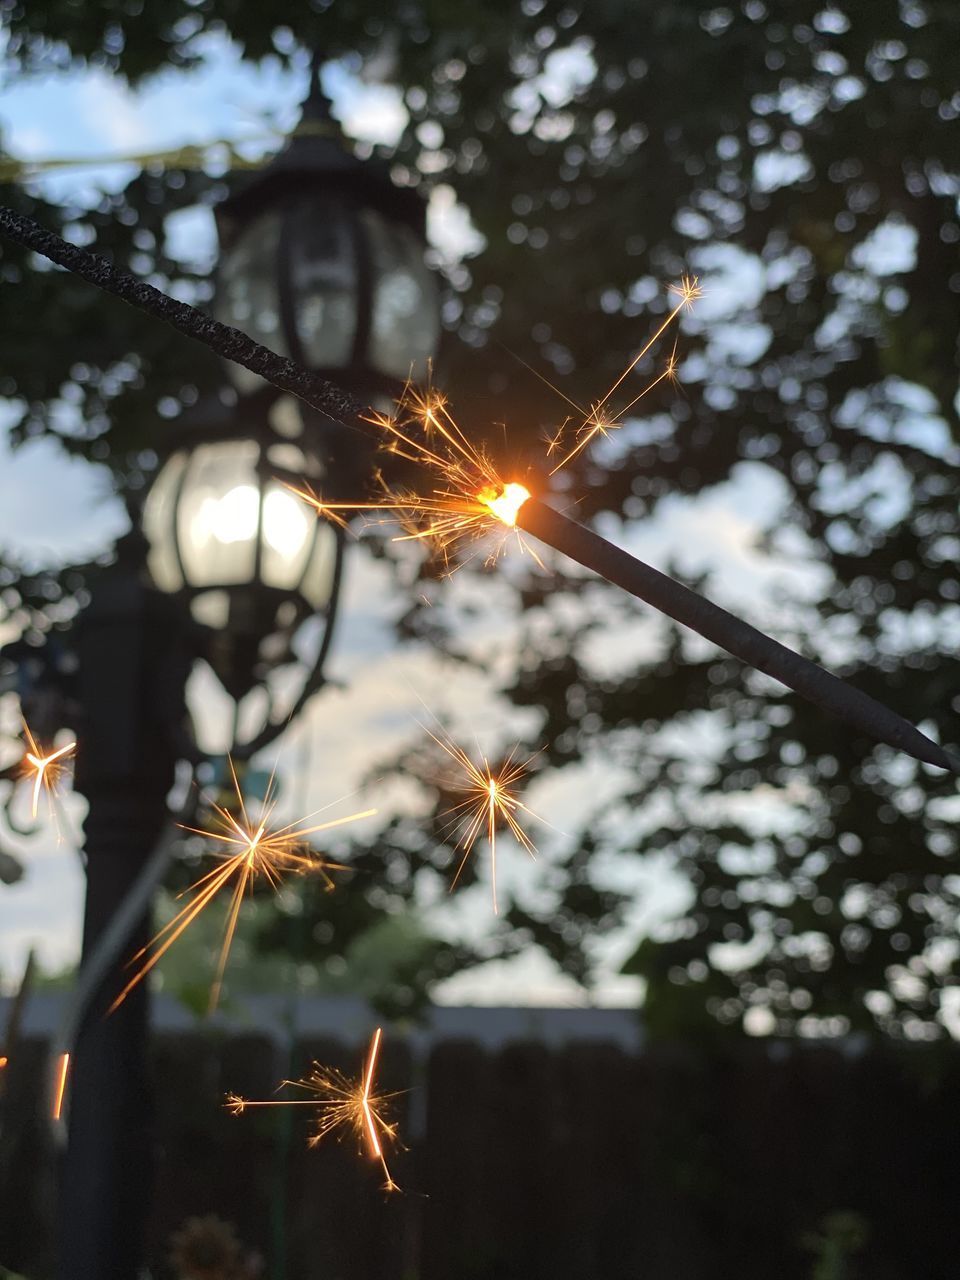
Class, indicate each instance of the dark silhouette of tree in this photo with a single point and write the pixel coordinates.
(602, 149)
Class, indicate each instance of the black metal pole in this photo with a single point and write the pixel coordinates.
(330, 400)
(133, 663)
(737, 637)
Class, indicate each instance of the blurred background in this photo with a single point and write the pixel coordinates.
(722, 1002)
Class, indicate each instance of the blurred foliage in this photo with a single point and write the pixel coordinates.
(792, 139)
(843, 1236)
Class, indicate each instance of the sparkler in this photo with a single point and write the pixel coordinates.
(351, 1106)
(470, 498)
(456, 503)
(46, 770)
(489, 804)
(464, 496)
(247, 850)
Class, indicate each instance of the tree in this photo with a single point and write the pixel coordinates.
(601, 149)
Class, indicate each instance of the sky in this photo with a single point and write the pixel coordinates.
(378, 691)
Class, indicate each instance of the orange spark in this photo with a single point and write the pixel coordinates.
(247, 849)
(62, 1070)
(46, 770)
(3, 1062)
(489, 804)
(599, 421)
(343, 1104)
(464, 497)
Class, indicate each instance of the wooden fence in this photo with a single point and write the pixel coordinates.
(587, 1163)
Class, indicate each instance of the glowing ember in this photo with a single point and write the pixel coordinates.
(62, 1071)
(247, 850)
(351, 1106)
(489, 804)
(464, 499)
(45, 770)
(507, 502)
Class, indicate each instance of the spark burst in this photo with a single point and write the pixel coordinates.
(247, 850)
(489, 804)
(465, 494)
(466, 498)
(45, 770)
(352, 1106)
(600, 420)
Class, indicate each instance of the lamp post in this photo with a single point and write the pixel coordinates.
(322, 259)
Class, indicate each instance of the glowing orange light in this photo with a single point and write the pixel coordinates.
(247, 849)
(349, 1105)
(3, 1062)
(464, 499)
(489, 804)
(62, 1071)
(507, 502)
(46, 770)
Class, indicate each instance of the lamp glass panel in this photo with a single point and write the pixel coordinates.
(247, 291)
(288, 530)
(405, 325)
(324, 279)
(212, 608)
(219, 514)
(159, 527)
(317, 585)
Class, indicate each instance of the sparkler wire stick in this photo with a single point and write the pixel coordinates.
(590, 550)
(226, 341)
(739, 638)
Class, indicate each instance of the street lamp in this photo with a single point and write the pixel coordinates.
(322, 260)
(245, 556)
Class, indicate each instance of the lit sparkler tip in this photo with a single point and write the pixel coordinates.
(235, 1104)
(506, 502)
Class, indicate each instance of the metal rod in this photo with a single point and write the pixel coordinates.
(226, 341)
(732, 634)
